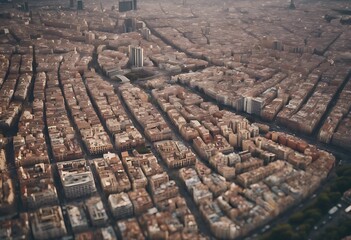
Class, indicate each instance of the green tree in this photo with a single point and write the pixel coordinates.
(297, 218)
(304, 229)
(314, 214)
(283, 232)
(334, 197)
(337, 232)
(343, 183)
(343, 171)
(323, 202)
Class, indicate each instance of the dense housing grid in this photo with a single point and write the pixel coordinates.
(157, 119)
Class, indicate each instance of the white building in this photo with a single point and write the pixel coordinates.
(77, 178)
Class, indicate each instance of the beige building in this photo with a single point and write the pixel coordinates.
(120, 205)
(48, 223)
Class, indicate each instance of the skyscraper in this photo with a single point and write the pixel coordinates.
(80, 5)
(127, 5)
(134, 4)
(292, 4)
(136, 56)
